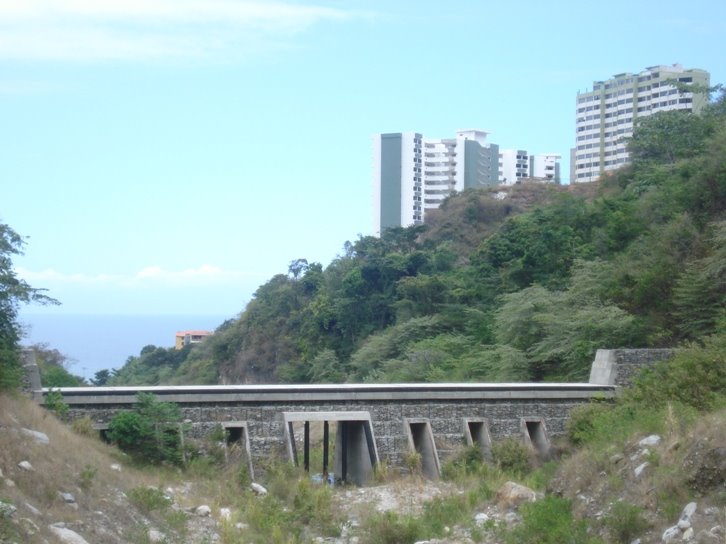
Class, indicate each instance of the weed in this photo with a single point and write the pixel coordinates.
(381, 472)
(148, 499)
(625, 522)
(549, 521)
(84, 426)
(54, 402)
(389, 528)
(512, 456)
(413, 463)
(85, 478)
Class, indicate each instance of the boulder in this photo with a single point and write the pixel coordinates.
(66, 536)
(671, 534)
(652, 440)
(25, 465)
(6, 509)
(511, 495)
(156, 536)
(37, 436)
(203, 511)
(258, 489)
(640, 469)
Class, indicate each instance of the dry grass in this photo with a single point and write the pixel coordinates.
(70, 463)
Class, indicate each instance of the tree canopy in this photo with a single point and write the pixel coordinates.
(518, 283)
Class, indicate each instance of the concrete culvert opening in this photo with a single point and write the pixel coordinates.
(238, 443)
(535, 434)
(421, 441)
(476, 433)
(349, 441)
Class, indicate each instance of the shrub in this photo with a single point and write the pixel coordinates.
(389, 528)
(512, 456)
(549, 521)
(84, 426)
(625, 522)
(148, 499)
(581, 426)
(54, 402)
(85, 478)
(151, 433)
(696, 377)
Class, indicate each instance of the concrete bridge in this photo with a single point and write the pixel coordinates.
(372, 422)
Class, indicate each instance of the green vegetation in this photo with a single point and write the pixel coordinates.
(151, 432)
(13, 293)
(521, 288)
(549, 521)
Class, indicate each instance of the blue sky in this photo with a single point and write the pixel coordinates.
(170, 156)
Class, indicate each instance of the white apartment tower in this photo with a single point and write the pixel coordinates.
(412, 174)
(516, 165)
(606, 115)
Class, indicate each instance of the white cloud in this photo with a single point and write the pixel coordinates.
(150, 29)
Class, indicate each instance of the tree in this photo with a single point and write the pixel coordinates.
(101, 377)
(13, 293)
(151, 432)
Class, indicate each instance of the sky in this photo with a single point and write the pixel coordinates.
(171, 156)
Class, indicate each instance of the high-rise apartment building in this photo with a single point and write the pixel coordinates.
(607, 114)
(413, 174)
(517, 165)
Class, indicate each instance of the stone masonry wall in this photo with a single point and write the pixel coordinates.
(265, 425)
(630, 362)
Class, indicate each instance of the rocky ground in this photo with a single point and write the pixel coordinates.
(55, 488)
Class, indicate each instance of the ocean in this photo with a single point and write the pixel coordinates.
(96, 342)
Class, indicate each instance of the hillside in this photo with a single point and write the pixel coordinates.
(650, 467)
(522, 283)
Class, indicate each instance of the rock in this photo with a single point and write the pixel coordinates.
(688, 534)
(25, 465)
(640, 468)
(652, 440)
(6, 509)
(684, 524)
(66, 535)
(671, 534)
(32, 509)
(156, 536)
(258, 489)
(37, 436)
(9, 483)
(615, 459)
(688, 512)
(480, 519)
(225, 514)
(203, 511)
(511, 517)
(67, 497)
(1, 473)
(116, 467)
(511, 495)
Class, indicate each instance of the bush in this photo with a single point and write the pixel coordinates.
(84, 426)
(625, 522)
(148, 499)
(582, 424)
(549, 521)
(54, 402)
(696, 377)
(151, 433)
(389, 528)
(512, 456)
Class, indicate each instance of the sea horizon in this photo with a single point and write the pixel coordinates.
(93, 342)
